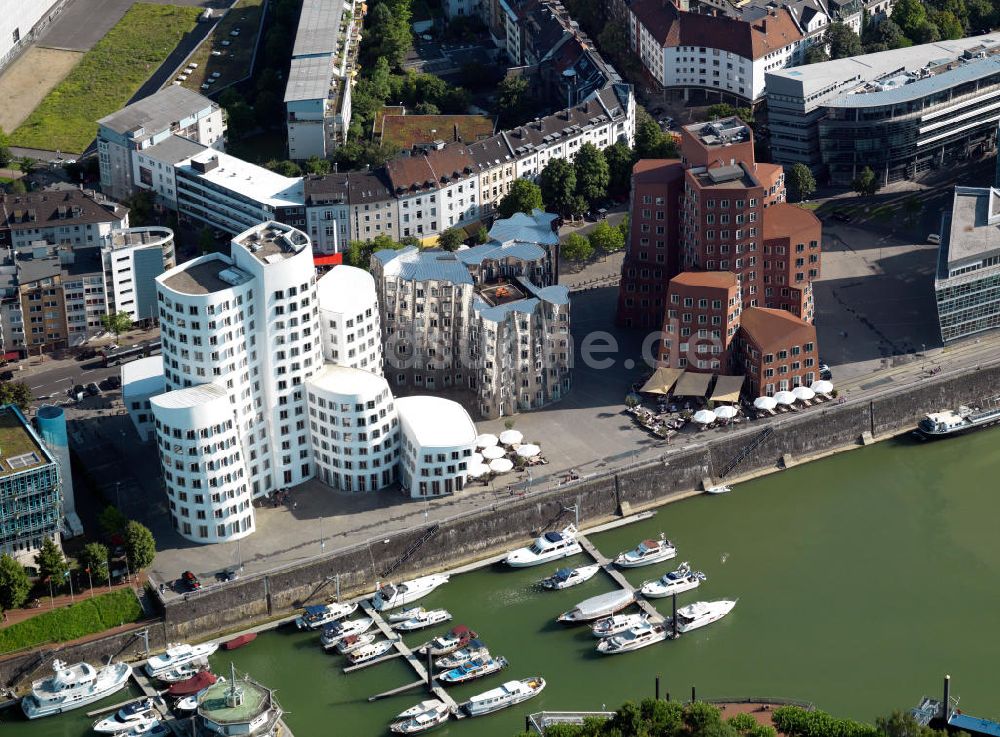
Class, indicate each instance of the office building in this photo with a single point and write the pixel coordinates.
(349, 319)
(142, 380)
(702, 317)
(967, 282)
(133, 258)
(437, 438)
(776, 350)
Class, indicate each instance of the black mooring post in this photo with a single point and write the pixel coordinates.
(666, 696)
(693, 697)
(430, 668)
(527, 723)
(657, 686)
(673, 620)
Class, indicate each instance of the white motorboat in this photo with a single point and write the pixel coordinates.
(700, 613)
(423, 620)
(317, 617)
(566, 577)
(431, 716)
(676, 582)
(417, 709)
(550, 546)
(183, 672)
(637, 637)
(178, 654)
(475, 649)
(615, 625)
(404, 614)
(509, 694)
(73, 686)
(646, 553)
(370, 652)
(956, 422)
(353, 642)
(156, 729)
(719, 489)
(188, 703)
(459, 636)
(138, 712)
(477, 668)
(390, 596)
(334, 633)
(596, 607)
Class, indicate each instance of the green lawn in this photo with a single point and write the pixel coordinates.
(107, 76)
(83, 618)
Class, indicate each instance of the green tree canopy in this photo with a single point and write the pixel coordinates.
(482, 235)
(451, 239)
(14, 583)
(5, 155)
(16, 392)
(140, 547)
(112, 521)
(651, 142)
(843, 41)
(524, 196)
(117, 322)
(359, 253)
(17, 187)
(513, 100)
(93, 559)
(800, 182)
(816, 54)
(558, 184)
(285, 168)
(50, 561)
(607, 238)
(620, 162)
(316, 165)
(576, 248)
(592, 173)
(866, 183)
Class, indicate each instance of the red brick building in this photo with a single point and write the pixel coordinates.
(703, 316)
(776, 350)
(791, 259)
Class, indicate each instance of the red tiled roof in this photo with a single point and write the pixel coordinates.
(783, 220)
(714, 279)
(652, 171)
(770, 328)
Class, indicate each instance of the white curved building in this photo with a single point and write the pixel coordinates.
(349, 316)
(197, 430)
(354, 429)
(437, 438)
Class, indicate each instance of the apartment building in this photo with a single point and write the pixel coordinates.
(132, 259)
(438, 439)
(65, 217)
(776, 350)
(967, 282)
(701, 321)
(902, 112)
(349, 319)
(171, 111)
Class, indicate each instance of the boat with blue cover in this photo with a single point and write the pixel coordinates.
(676, 582)
(477, 668)
(317, 617)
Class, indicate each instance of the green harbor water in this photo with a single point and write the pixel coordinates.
(862, 579)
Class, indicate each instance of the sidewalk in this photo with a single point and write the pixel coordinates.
(35, 364)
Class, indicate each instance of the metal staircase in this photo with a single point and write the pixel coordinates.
(747, 450)
(414, 547)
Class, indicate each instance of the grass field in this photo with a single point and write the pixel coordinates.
(26, 82)
(84, 618)
(106, 77)
(234, 61)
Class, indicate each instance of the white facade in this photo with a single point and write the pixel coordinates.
(133, 259)
(353, 427)
(437, 438)
(17, 19)
(141, 381)
(349, 319)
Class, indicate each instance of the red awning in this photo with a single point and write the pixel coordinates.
(12, 356)
(333, 259)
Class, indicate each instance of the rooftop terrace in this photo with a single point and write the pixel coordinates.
(19, 448)
(500, 294)
(272, 242)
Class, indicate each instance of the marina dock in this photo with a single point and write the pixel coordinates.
(616, 575)
(412, 658)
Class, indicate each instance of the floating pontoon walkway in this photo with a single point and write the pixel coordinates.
(609, 568)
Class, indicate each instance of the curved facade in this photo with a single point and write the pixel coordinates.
(437, 438)
(197, 432)
(349, 317)
(354, 429)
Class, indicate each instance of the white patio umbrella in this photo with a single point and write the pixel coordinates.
(476, 458)
(726, 412)
(493, 452)
(765, 403)
(486, 440)
(528, 450)
(803, 392)
(509, 437)
(785, 397)
(501, 465)
(704, 417)
(822, 386)
(478, 469)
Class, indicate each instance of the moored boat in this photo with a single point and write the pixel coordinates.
(434, 714)
(176, 655)
(73, 686)
(646, 553)
(188, 703)
(137, 713)
(353, 642)
(390, 596)
(509, 694)
(719, 489)
(240, 641)
(404, 614)
(183, 672)
(158, 728)
(476, 668)
(596, 607)
(617, 624)
(334, 633)
(701, 613)
(564, 578)
(318, 616)
(956, 422)
(423, 620)
(370, 652)
(676, 582)
(550, 546)
(198, 682)
(635, 638)
(475, 649)
(418, 709)
(459, 636)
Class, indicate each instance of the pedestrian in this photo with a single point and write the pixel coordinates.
(295, 505)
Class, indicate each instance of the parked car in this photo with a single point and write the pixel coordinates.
(230, 574)
(6, 376)
(842, 216)
(825, 372)
(86, 354)
(190, 580)
(934, 238)
(93, 389)
(76, 392)
(113, 382)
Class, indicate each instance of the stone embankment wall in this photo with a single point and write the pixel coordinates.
(511, 521)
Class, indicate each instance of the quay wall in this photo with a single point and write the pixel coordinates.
(512, 521)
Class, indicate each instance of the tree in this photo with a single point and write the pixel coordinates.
(426, 108)
(843, 41)
(93, 560)
(140, 547)
(5, 155)
(650, 141)
(285, 168)
(482, 235)
(720, 110)
(451, 239)
(26, 164)
(14, 583)
(117, 322)
(112, 521)
(607, 238)
(948, 24)
(592, 173)
(558, 184)
(359, 253)
(815, 54)
(17, 187)
(866, 183)
(800, 182)
(16, 392)
(50, 561)
(576, 248)
(620, 162)
(316, 165)
(206, 240)
(883, 36)
(524, 196)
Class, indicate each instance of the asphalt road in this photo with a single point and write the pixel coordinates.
(53, 383)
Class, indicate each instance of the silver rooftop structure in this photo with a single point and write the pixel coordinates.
(916, 87)
(159, 111)
(319, 27)
(973, 233)
(309, 78)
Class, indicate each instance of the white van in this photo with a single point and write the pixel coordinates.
(934, 238)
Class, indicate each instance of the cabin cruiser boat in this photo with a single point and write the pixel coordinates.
(428, 714)
(719, 489)
(72, 686)
(460, 636)
(646, 553)
(956, 422)
(477, 668)
(615, 625)
(130, 715)
(370, 652)
(390, 596)
(422, 620)
(156, 729)
(353, 642)
(176, 655)
(550, 546)
(700, 613)
(509, 694)
(403, 614)
(317, 617)
(676, 582)
(637, 637)
(334, 633)
(475, 649)
(597, 607)
(566, 577)
(183, 672)
(188, 703)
